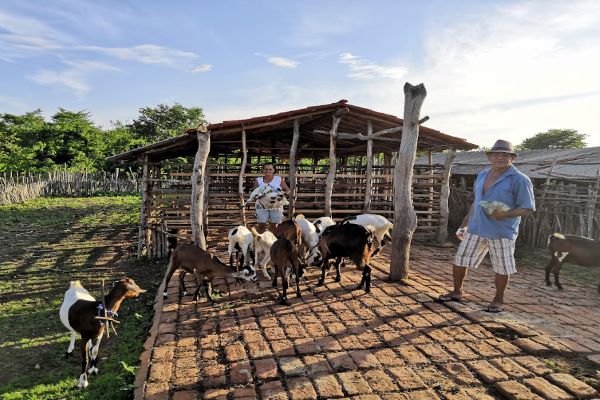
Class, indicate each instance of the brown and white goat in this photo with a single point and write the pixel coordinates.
(347, 240)
(78, 314)
(285, 258)
(205, 266)
(572, 249)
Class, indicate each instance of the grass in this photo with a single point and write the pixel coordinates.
(46, 243)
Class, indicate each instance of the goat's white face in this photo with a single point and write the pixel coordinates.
(247, 273)
(314, 258)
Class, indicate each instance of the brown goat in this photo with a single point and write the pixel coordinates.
(572, 249)
(79, 312)
(347, 240)
(292, 231)
(205, 266)
(285, 258)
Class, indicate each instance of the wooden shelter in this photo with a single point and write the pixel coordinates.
(338, 159)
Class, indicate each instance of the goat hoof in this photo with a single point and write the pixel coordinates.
(559, 287)
(338, 278)
(549, 284)
(165, 294)
(368, 290)
(319, 283)
(358, 287)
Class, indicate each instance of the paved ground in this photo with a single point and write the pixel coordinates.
(394, 343)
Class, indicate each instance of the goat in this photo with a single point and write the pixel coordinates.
(268, 197)
(381, 224)
(262, 249)
(310, 238)
(241, 240)
(347, 240)
(205, 266)
(323, 223)
(572, 249)
(285, 257)
(79, 312)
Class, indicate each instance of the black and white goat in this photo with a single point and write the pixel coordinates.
(268, 197)
(572, 249)
(241, 240)
(310, 238)
(348, 240)
(381, 225)
(79, 313)
(323, 223)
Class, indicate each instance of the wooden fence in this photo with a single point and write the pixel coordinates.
(17, 188)
(567, 206)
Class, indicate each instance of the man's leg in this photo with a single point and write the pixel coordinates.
(501, 282)
(458, 274)
(469, 254)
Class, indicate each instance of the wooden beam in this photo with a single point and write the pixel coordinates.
(241, 177)
(369, 187)
(293, 168)
(143, 208)
(332, 164)
(405, 218)
(444, 210)
(198, 188)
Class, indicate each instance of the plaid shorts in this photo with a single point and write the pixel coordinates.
(473, 249)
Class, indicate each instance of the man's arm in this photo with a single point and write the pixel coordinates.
(515, 212)
(465, 220)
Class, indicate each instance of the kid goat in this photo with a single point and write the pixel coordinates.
(241, 240)
(205, 266)
(381, 224)
(79, 314)
(572, 249)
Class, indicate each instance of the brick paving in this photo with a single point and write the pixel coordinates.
(393, 343)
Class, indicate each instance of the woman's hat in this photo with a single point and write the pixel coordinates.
(502, 146)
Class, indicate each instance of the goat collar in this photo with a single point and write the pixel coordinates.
(109, 312)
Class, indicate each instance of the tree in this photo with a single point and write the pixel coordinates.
(164, 121)
(554, 139)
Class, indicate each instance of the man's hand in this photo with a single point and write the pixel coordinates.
(461, 232)
(499, 214)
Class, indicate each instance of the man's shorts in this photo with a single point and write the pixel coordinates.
(473, 249)
(273, 216)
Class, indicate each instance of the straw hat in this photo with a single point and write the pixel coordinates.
(502, 146)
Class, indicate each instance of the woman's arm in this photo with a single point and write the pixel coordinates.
(284, 186)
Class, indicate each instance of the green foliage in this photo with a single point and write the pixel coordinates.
(29, 143)
(164, 121)
(554, 139)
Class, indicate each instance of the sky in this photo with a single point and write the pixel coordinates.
(492, 69)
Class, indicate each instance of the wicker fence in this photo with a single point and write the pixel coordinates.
(17, 188)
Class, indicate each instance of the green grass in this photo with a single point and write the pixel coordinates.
(48, 242)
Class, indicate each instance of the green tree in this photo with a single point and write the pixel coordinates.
(554, 139)
(164, 121)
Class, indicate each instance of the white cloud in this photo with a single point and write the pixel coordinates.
(201, 68)
(147, 54)
(364, 69)
(283, 62)
(74, 78)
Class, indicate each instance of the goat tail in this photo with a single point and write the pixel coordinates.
(254, 232)
(75, 284)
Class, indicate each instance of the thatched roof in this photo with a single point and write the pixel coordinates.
(570, 163)
(272, 134)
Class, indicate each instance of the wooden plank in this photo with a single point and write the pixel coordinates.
(198, 189)
(242, 210)
(332, 163)
(293, 167)
(444, 210)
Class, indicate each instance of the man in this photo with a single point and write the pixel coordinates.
(496, 231)
(271, 216)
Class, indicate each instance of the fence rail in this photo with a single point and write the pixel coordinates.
(17, 188)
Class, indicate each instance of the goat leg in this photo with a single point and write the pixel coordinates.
(324, 268)
(338, 274)
(367, 274)
(556, 273)
(208, 289)
(283, 299)
(83, 382)
(93, 369)
(549, 268)
(169, 275)
(182, 288)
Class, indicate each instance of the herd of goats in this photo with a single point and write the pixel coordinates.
(293, 246)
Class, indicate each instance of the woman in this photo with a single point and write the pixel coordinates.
(264, 215)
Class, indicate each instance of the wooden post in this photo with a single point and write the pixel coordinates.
(241, 177)
(198, 187)
(143, 208)
(332, 163)
(292, 174)
(405, 218)
(369, 186)
(206, 200)
(591, 204)
(444, 210)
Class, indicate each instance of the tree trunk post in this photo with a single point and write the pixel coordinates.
(198, 187)
(369, 186)
(293, 168)
(332, 164)
(444, 209)
(405, 218)
(241, 177)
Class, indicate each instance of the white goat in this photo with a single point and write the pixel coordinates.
(310, 237)
(241, 239)
(322, 223)
(381, 224)
(262, 249)
(268, 197)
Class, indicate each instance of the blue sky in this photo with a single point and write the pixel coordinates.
(492, 69)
